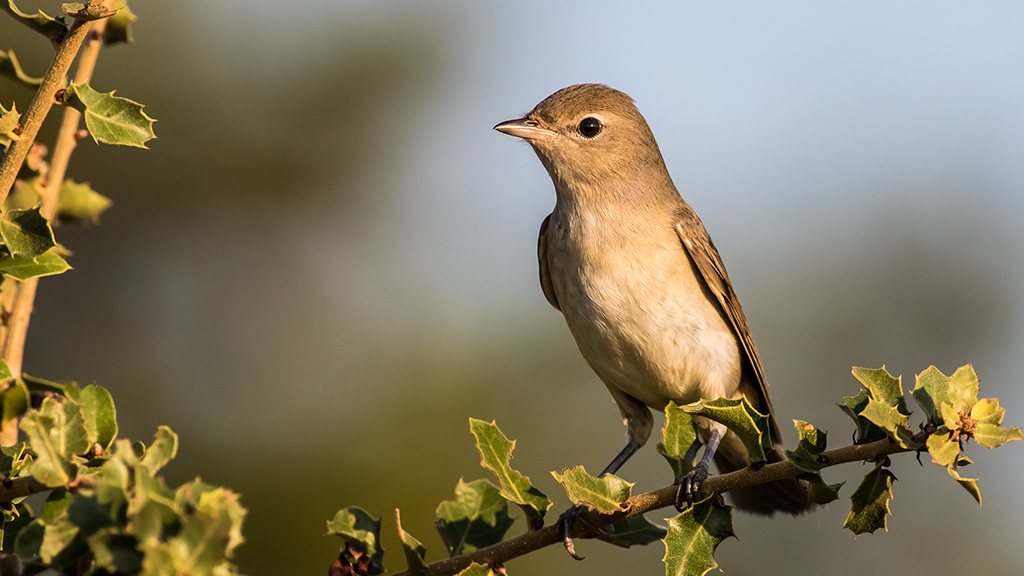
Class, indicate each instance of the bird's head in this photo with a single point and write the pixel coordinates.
(590, 136)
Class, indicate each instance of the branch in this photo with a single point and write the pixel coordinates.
(12, 336)
(40, 105)
(531, 541)
(18, 487)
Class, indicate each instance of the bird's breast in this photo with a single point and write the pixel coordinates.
(635, 305)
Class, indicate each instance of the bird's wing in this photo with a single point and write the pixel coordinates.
(705, 256)
(545, 270)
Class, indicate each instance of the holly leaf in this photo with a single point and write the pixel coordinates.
(115, 551)
(969, 484)
(415, 552)
(110, 119)
(886, 407)
(9, 119)
(56, 432)
(495, 454)
(871, 502)
(812, 443)
(22, 268)
(943, 448)
(358, 528)
(606, 493)
(679, 443)
(119, 27)
(475, 569)
(633, 531)
(819, 492)
(52, 28)
(739, 416)
(477, 517)
(79, 202)
(866, 430)
(163, 449)
(989, 431)
(100, 415)
(962, 390)
(26, 233)
(10, 459)
(11, 68)
(930, 391)
(693, 537)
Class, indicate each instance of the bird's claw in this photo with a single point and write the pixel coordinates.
(565, 522)
(688, 491)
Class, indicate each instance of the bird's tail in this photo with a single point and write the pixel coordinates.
(789, 495)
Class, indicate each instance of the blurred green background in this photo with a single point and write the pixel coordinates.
(326, 262)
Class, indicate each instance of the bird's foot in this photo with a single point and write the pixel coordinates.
(688, 491)
(565, 525)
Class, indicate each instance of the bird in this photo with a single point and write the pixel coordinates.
(642, 287)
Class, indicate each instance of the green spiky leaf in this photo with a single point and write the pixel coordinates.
(679, 443)
(52, 28)
(819, 492)
(886, 406)
(495, 454)
(26, 233)
(110, 119)
(79, 202)
(119, 27)
(475, 569)
(693, 537)
(415, 552)
(969, 484)
(100, 415)
(22, 268)
(357, 527)
(930, 392)
(56, 432)
(812, 443)
(854, 407)
(633, 531)
(740, 417)
(477, 517)
(870, 502)
(9, 119)
(606, 493)
(943, 448)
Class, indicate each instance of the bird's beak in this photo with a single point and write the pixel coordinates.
(525, 129)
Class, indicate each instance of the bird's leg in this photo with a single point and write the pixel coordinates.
(566, 520)
(689, 484)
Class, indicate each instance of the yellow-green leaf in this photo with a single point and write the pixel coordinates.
(110, 119)
(739, 416)
(606, 493)
(693, 537)
(870, 502)
(495, 454)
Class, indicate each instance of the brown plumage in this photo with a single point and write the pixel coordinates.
(640, 283)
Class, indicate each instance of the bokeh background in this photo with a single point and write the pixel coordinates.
(326, 262)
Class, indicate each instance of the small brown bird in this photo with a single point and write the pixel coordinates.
(641, 284)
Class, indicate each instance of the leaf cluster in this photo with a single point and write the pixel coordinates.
(478, 517)
(108, 509)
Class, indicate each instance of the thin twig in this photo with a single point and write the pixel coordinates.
(531, 541)
(33, 118)
(25, 292)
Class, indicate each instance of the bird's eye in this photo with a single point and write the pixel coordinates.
(590, 127)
